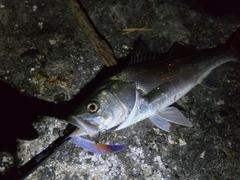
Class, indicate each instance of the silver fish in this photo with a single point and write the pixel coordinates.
(145, 91)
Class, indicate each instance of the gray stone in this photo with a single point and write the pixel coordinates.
(44, 54)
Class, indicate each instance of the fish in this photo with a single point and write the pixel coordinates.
(146, 90)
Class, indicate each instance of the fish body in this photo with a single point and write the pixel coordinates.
(162, 84)
(145, 91)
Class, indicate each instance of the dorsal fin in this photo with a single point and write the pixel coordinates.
(180, 49)
(141, 54)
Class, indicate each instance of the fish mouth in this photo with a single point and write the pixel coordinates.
(84, 127)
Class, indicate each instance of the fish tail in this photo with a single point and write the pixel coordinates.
(233, 44)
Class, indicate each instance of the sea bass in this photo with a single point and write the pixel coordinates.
(146, 91)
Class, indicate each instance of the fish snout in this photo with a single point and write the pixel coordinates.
(86, 127)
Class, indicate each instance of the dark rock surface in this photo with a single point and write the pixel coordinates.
(45, 55)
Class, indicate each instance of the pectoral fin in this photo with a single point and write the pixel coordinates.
(97, 148)
(157, 92)
(170, 114)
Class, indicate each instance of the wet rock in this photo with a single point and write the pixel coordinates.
(45, 55)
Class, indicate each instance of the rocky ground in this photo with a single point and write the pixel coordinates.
(45, 55)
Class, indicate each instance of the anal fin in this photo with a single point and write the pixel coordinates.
(211, 81)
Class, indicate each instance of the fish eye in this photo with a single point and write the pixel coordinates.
(92, 107)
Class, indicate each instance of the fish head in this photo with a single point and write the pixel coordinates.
(106, 108)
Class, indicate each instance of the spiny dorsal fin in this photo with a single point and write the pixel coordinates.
(141, 54)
